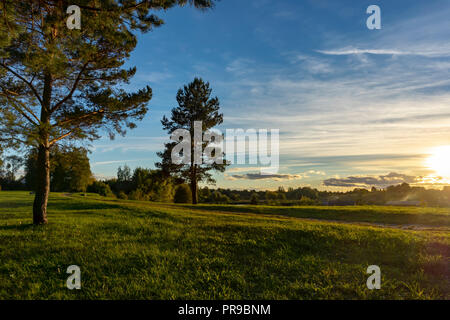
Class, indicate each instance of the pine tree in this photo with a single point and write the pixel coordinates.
(194, 104)
(57, 83)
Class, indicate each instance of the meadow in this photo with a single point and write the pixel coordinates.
(143, 250)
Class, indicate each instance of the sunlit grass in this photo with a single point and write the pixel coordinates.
(141, 250)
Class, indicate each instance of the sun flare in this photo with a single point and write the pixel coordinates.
(439, 161)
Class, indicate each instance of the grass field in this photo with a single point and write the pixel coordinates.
(143, 250)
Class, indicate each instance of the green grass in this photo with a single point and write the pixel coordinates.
(142, 250)
(431, 217)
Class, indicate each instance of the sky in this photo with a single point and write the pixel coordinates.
(354, 107)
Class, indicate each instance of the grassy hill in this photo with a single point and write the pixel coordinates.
(143, 250)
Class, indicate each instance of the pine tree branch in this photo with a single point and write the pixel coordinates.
(13, 104)
(29, 84)
(13, 138)
(60, 138)
(79, 118)
(19, 102)
(72, 91)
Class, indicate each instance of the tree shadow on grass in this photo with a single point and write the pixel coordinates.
(15, 205)
(20, 227)
(63, 205)
(345, 214)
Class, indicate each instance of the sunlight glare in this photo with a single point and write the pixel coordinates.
(439, 161)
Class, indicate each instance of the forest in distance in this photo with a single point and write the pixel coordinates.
(70, 172)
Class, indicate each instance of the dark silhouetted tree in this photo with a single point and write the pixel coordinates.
(182, 194)
(194, 104)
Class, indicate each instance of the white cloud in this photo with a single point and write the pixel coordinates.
(313, 65)
(155, 76)
(102, 163)
(240, 66)
(356, 51)
(128, 144)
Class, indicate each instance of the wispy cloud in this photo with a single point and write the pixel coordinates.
(312, 64)
(102, 163)
(243, 169)
(356, 51)
(131, 144)
(155, 76)
(240, 66)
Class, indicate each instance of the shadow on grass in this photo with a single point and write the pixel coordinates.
(20, 227)
(72, 205)
(15, 205)
(347, 214)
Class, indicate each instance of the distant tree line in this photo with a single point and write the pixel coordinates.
(401, 194)
(141, 184)
(70, 172)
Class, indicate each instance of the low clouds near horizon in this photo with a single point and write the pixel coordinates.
(276, 177)
(390, 179)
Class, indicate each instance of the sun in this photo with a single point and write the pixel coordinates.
(439, 161)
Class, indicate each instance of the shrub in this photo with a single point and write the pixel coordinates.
(100, 188)
(254, 199)
(270, 195)
(183, 194)
(139, 195)
(122, 195)
(218, 197)
(306, 201)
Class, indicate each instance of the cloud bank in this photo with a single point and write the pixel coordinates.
(390, 179)
(276, 177)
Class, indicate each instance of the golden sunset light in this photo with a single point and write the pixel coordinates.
(439, 161)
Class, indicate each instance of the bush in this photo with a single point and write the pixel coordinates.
(100, 188)
(218, 197)
(270, 195)
(306, 201)
(254, 199)
(183, 194)
(139, 195)
(122, 195)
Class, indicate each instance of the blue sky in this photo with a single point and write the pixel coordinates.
(349, 102)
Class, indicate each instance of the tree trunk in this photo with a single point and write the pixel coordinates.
(43, 161)
(194, 191)
(42, 186)
(194, 184)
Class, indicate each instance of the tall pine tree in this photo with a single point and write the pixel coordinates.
(194, 104)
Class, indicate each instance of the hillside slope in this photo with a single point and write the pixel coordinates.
(138, 250)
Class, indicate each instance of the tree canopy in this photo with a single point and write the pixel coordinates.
(70, 170)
